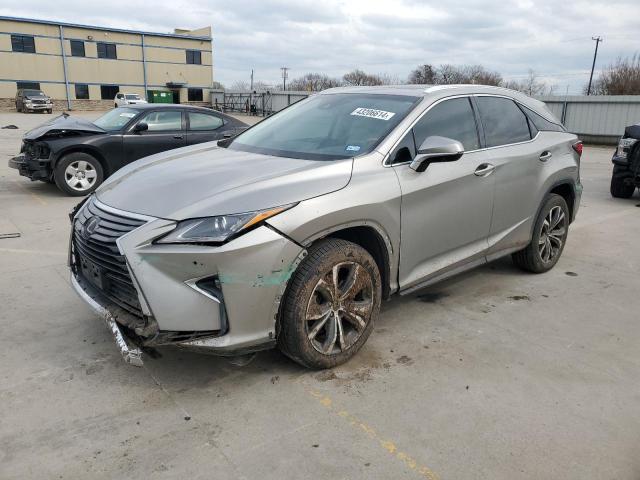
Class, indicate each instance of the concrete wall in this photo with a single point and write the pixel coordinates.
(164, 61)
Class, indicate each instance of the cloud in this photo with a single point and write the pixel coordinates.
(334, 36)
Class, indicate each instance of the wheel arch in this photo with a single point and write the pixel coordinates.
(566, 190)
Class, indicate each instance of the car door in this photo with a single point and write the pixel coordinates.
(165, 132)
(519, 169)
(446, 209)
(203, 127)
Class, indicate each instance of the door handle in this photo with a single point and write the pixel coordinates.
(544, 156)
(484, 169)
(178, 137)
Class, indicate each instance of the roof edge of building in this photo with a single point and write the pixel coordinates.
(95, 27)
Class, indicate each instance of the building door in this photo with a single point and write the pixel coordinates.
(176, 96)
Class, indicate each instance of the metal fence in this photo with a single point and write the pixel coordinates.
(595, 119)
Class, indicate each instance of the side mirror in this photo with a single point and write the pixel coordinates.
(436, 149)
(141, 127)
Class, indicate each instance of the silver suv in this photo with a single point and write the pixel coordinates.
(293, 232)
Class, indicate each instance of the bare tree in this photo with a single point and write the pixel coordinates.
(217, 86)
(313, 82)
(530, 85)
(619, 78)
(422, 75)
(358, 78)
(241, 85)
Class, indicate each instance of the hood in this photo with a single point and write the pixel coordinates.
(37, 97)
(632, 131)
(61, 124)
(205, 180)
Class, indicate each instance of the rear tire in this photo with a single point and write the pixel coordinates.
(78, 174)
(549, 237)
(619, 188)
(322, 326)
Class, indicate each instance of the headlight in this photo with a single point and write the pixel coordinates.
(218, 229)
(624, 147)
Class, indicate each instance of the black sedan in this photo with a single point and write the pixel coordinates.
(78, 155)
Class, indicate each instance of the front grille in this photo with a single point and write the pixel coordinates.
(97, 256)
(38, 102)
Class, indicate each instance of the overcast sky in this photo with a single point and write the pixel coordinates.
(553, 37)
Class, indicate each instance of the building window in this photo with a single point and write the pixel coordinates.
(195, 95)
(108, 92)
(107, 50)
(77, 48)
(82, 91)
(28, 85)
(194, 57)
(23, 43)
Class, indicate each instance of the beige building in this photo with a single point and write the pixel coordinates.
(83, 67)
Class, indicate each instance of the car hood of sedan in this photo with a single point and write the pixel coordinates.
(62, 124)
(206, 180)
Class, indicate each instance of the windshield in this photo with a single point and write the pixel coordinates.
(115, 119)
(327, 127)
(33, 93)
(132, 96)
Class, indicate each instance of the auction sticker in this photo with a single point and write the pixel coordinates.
(372, 113)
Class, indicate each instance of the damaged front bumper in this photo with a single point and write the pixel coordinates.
(222, 299)
(33, 168)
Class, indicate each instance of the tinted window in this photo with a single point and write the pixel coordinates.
(23, 43)
(452, 119)
(195, 94)
(77, 48)
(542, 123)
(204, 121)
(29, 85)
(106, 50)
(405, 151)
(194, 57)
(503, 121)
(82, 91)
(327, 126)
(163, 121)
(108, 92)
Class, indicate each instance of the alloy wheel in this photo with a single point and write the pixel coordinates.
(552, 234)
(80, 175)
(340, 308)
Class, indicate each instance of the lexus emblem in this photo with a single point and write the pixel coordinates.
(90, 226)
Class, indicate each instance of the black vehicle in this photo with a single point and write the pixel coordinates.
(626, 164)
(32, 100)
(78, 155)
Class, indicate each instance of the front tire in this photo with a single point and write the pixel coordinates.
(331, 305)
(549, 237)
(78, 174)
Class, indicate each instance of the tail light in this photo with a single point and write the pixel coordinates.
(578, 148)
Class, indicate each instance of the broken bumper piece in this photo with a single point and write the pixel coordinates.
(131, 354)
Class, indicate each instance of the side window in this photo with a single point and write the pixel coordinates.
(542, 123)
(405, 151)
(163, 121)
(503, 121)
(452, 119)
(204, 121)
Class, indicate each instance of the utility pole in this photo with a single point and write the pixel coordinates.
(285, 75)
(251, 87)
(597, 39)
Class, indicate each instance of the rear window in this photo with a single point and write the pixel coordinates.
(503, 121)
(542, 123)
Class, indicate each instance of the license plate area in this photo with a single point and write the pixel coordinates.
(92, 273)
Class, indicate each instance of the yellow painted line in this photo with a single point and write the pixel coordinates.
(387, 445)
(31, 252)
(37, 197)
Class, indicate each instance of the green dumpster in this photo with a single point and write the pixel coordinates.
(159, 96)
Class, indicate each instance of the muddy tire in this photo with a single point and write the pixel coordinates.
(549, 237)
(78, 174)
(619, 188)
(331, 304)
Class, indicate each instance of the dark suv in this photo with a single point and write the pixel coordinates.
(31, 100)
(626, 164)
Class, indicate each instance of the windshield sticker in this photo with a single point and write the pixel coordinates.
(372, 113)
(353, 148)
(127, 114)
